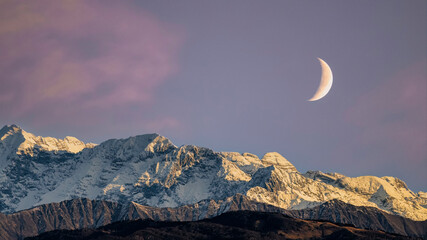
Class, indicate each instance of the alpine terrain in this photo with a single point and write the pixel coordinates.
(150, 170)
(82, 213)
(231, 225)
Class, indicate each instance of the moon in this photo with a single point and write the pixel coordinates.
(325, 82)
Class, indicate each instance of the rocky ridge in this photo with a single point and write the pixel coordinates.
(85, 213)
(230, 225)
(18, 141)
(151, 170)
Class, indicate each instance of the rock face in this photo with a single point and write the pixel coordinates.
(231, 225)
(85, 213)
(363, 217)
(150, 170)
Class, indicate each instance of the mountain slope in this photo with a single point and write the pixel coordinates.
(150, 170)
(231, 225)
(85, 213)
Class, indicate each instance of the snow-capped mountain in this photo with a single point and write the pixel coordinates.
(13, 139)
(150, 170)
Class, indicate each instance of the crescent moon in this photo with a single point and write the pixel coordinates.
(325, 82)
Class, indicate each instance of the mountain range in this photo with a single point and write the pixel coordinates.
(150, 170)
(230, 225)
(84, 213)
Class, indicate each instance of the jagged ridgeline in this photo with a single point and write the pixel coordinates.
(150, 170)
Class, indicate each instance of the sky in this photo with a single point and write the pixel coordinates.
(228, 75)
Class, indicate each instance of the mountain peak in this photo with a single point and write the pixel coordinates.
(24, 142)
(8, 130)
(141, 143)
(159, 144)
(10, 126)
(277, 160)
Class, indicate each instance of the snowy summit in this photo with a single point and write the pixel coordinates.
(151, 170)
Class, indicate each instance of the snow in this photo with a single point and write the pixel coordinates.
(194, 191)
(150, 170)
(25, 143)
(274, 158)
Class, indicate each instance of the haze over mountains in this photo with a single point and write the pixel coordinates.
(150, 170)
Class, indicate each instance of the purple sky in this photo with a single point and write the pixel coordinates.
(228, 75)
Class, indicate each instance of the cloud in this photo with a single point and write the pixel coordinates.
(391, 120)
(68, 60)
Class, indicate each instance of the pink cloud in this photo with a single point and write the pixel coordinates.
(393, 118)
(63, 58)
